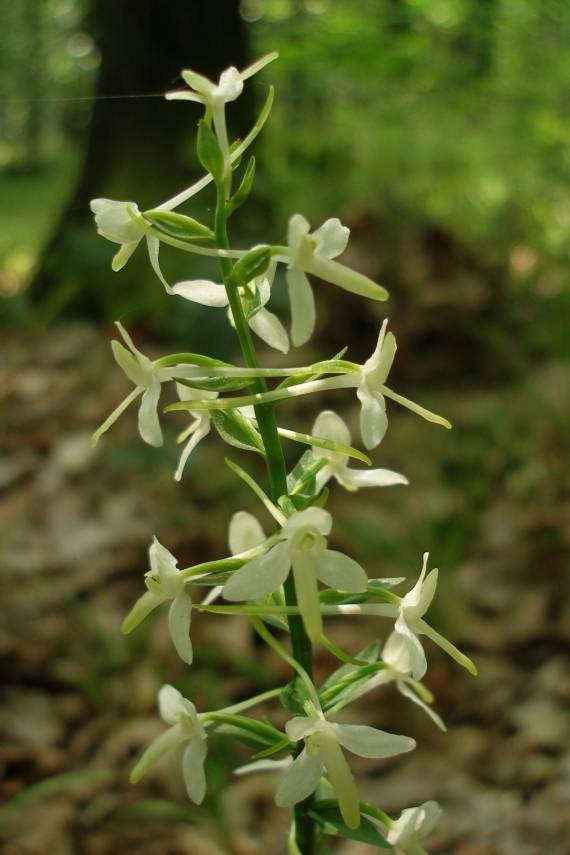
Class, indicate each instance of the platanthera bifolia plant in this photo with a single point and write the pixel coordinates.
(286, 582)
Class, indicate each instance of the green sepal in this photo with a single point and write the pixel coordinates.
(215, 384)
(209, 151)
(327, 815)
(294, 697)
(179, 226)
(252, 265)
(244, 188)
(238, 431)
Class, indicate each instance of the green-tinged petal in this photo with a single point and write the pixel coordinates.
(113, 221)
(312, 518)
(416, 408)
(416, 653)
(245, 533)
(124, 253)
(370, 742)
(202, 291)
(143, 607)
(202, 430)
(341, 778)
(299, 780)
(153, 247)
(303, 563)
(155, 751)
(373, 418)
(179, 617)
(339, 571)
(270, 330)
(130, 365)
(258, 65)
(446, 645)
(149, 423)
(260, 576)
(170, 704)
(297, 229)
(331, 238)
(302, 302)
(344, 277)
(357, 478)
(301, 726)
(164, 564)
(405, 690)
(117, 412)
(193, 769)
(329, 425)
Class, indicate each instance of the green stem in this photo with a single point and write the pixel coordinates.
(277, 473)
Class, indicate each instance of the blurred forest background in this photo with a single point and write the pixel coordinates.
(438, 131)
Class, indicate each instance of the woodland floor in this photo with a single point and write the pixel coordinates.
(491, 501)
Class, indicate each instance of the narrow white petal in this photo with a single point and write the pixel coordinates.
(270, 330)
(301, 726)
(412, 598)
(373, 418)
(342, 780)
(202, 291)
(405, 690)
(245, 533)
(307, 591)
(396, 653)
(179, 616)
(332, 238)
(370, 742)
(155, 751)
(153, 246)
(297, 229)
(143, 607)
(162, 562)
(450, 649)
(170, 703)
(416, 653)
(373, 360)
(265, 765)
(201, 431)
(258, 65)
(130, 365)
(358, 478)
(149, 424)
(124, 253)
(117, 412)
(193, 769)
(339, 571)
(299, 780)
(302, 301)
(260, 576)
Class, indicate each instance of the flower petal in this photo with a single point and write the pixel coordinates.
(313, 517)
(270, 330)
(202, 430)
(356, 478)
(303, 562)
(149, 423)
(301, 726)
(193, 769)
(297, 229)
(123, 254)
(202, 291)
(245, 533)
(299, 780)
(370, 742)
(339, 571)
(155, 751)
(143, 607)
(113, 220)
(170, 704)
(153, 247)
(416, 653)
(130, 365)
(163, 563)
(302, 302)
(179, 616)
(342, 780)
(331, 238)
(329, 425)
(373, 418)
(260, 576)
(408, 693)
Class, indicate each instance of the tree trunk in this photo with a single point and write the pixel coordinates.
(138, 149)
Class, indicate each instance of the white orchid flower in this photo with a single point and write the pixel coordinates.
(165, 582)
(245, 533)
(228, 88)
(185, 726)
(302, 548)
(199, 428)
(147, 380)
(114, 223)
(322, 752)
(329, 425)
(313, 252)
(409, 611)
(263, 322)
(414, 823)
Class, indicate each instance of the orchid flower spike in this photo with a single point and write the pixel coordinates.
(329, 425)
(147, 380)
(165, 582)
(322, 752)
(263, 322)
(185, 726)
(312, 252)
(199, 428)
(302, 548)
